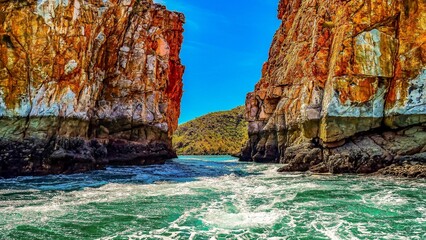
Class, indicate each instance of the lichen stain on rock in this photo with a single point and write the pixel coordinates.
(374, 54)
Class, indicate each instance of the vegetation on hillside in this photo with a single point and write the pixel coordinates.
(212, 134)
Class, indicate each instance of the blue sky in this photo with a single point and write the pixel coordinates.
(225, 45)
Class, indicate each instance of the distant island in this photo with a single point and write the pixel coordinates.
(216, 133)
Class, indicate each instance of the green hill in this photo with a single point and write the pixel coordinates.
(212, 134)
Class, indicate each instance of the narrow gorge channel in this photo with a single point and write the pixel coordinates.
(331, 143)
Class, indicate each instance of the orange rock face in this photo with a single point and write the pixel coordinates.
(107, 71)
(336, 70)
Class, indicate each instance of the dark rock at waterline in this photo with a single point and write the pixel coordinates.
(400, 153)
(64, 156)
(412, 170)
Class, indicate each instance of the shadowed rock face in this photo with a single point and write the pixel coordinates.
(87, 83)
(344, 88)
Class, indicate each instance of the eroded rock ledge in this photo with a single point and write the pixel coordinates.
(344, 89)
(84, 84)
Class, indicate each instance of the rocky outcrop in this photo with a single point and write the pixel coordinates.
(344, 89)
(84, 84)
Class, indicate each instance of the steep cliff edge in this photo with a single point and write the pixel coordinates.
(344, 89)
(87, 83)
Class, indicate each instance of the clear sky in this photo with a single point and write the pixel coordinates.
(225, 45)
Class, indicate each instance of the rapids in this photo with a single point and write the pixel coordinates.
(211, 197)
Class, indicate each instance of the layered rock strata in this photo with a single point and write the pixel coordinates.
(87, 83)
(344, 89)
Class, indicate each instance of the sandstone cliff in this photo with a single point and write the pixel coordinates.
(344, 89)
(87, 83)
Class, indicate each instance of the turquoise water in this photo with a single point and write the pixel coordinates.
(211, 198)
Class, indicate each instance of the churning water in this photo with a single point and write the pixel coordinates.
(211, 198)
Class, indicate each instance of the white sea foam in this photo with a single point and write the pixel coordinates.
(243, 220)
(388, 198)
(329, 226)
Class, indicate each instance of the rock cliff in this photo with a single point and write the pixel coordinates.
(87, 83)
(344, 88)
